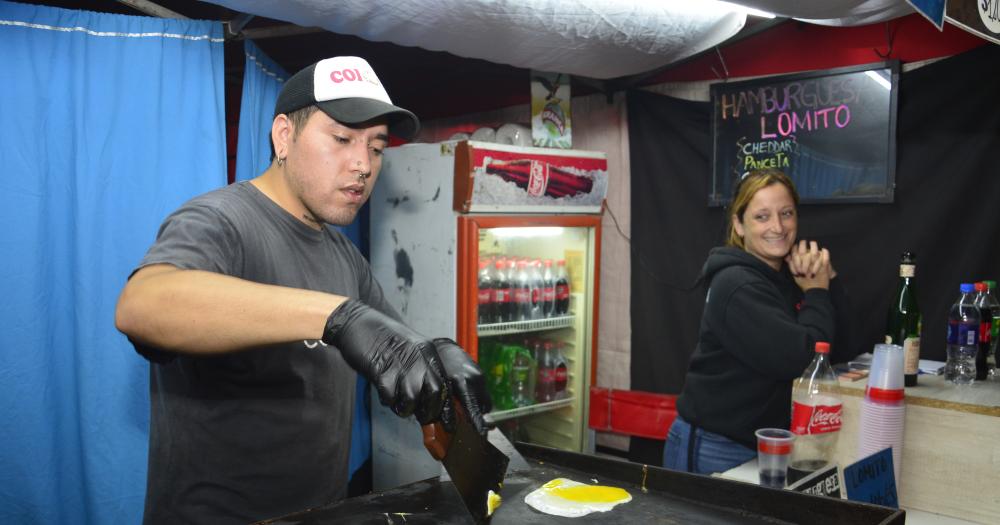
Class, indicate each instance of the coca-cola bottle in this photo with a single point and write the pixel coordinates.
(487, 294)
(539, 178)
(816, 416)
(548, 290)
(982, 302)
(522, 291)
(502, 296)
(562, 289)
(511, 273)
(561, 368)
(537, 289)
(545, 385)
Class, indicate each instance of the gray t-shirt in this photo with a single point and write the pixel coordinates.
(264, 432)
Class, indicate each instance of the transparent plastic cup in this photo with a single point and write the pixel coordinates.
(774, 448)
(887, 367)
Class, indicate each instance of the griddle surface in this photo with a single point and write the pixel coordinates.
(434, 501)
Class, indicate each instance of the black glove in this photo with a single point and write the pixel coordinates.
(465, 381)
(403, 365)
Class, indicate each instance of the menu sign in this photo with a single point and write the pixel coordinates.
(872, 480)
(832, 132)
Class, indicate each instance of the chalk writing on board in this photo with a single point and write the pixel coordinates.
(832, 132)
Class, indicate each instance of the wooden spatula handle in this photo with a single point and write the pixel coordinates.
(436, 440)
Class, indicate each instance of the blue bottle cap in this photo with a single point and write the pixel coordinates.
(967, 287)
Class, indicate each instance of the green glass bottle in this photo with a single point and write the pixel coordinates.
(903, 321)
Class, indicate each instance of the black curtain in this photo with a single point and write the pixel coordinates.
(946, 210)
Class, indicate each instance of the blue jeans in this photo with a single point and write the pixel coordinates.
(711, 453)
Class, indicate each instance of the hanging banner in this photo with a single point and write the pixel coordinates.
(932, 10)
(979, 17)
(550, 115)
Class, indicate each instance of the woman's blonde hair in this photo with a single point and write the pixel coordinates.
(746, 188)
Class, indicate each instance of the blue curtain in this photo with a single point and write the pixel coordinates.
(262, 81)
(110, 122)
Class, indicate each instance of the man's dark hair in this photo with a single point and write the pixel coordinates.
(298, 118)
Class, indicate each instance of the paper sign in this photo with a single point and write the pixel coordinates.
(932, 10)
(550, 115)
(823, 482)
(979, 17)
(871, 480)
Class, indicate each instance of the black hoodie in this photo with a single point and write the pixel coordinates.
(758, 333)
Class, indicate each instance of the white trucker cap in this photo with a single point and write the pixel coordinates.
(346, 89)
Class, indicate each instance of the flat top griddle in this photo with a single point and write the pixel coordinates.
(659, 496)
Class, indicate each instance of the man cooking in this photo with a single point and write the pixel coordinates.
(255, 316)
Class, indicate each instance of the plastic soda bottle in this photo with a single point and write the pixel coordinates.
(995, 328)
(545, 385)
(561, 368)
(816, 416)
(982, 302)
(562, 289)
(548, 289)
(520, 378)
(487, 294)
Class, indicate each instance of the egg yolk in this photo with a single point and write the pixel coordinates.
(492, 502)
(585, 493)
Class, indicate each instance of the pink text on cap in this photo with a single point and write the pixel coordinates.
(347, 77)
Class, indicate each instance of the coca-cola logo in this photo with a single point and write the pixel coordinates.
(821, 417)
(816, 419)
(538, 178)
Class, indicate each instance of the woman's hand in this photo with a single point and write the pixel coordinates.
(810, 265)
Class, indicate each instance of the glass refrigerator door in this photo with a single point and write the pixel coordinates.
(530, 319)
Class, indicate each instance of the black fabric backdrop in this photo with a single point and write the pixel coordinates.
(946, 210)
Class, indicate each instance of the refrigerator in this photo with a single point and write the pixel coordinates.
(441, 215)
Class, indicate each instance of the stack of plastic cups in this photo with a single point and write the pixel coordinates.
(883, 412)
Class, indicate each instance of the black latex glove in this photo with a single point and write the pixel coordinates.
(403, 365)
(465, 381)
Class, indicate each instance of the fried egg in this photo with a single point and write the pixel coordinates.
(571, 499)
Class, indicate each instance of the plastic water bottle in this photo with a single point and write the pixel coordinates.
(963, 338)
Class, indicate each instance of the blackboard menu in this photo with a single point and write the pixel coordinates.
(833, 132)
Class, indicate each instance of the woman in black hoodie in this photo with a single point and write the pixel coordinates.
(769, 301)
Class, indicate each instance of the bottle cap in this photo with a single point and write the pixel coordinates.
(822, 347)
(981, 287)
(966, 287)
(991, 284)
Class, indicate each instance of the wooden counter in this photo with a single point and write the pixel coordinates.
(951, 446)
